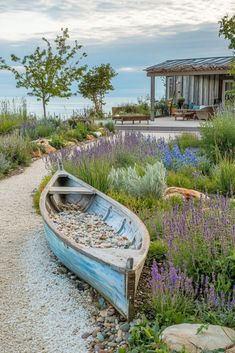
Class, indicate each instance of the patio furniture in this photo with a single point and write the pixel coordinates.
(205, 113)
(131, 118)
(197, 113)
(184, 114)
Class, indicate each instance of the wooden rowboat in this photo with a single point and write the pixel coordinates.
(115, 272)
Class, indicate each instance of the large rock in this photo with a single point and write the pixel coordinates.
(90, 137)
(185, 336)
(46, 145)
(184, 193)
(37, 153)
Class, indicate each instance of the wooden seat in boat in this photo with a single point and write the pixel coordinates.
(64, 190)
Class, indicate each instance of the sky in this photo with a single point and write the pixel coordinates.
(130, 35)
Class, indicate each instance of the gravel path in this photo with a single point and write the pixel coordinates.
(41, 310)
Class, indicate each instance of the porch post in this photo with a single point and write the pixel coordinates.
(152, 97)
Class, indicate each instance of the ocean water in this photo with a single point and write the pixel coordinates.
(65, 107)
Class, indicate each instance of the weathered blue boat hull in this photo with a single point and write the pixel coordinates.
(107, 281)
(113, 272)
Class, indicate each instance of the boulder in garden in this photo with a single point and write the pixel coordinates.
(46, 145)
(184, 193)
(195, 340)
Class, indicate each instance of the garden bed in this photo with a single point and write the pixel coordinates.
(190, 269)
(23, 137)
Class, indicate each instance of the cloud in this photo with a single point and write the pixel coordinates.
(130, 69)
(100, 21)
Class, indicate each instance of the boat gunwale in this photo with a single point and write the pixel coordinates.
(83, 250)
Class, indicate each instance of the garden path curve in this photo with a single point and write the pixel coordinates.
(41, 310)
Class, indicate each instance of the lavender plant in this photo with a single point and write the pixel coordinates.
(176, 297)
(217, 308)
(201, 239)
(172, 294)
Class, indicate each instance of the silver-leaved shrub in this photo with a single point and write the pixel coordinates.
(4, 164)
(139, 182)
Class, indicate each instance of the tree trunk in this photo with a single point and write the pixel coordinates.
(44, 107)
(95, 100)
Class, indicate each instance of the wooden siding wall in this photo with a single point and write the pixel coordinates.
(198, 89)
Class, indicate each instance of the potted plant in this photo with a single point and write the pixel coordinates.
(180, 102)
(172, 107)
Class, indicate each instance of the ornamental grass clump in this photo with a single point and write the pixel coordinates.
(5, 165)
(201, 239)
(218, 136)
(172, 294)
(224, 176)
(16, 148)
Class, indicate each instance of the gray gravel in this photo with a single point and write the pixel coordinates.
(41, 310)
(87, 229)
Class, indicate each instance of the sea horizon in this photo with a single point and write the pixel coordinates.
(65, 107)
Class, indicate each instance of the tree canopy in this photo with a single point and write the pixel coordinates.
(227, 29)
(95, 84)
(50, 71)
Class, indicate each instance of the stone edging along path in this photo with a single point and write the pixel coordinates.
(40, 310)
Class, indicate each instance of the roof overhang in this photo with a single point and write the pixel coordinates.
(191, 67)
(187, 73)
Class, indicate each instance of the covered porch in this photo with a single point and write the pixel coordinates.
(200, 81)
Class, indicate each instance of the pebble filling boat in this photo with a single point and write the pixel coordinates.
(98, 239)
(88, 229)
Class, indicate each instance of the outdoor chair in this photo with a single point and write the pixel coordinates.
(205, 113)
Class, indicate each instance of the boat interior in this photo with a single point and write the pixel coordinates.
(66, 189)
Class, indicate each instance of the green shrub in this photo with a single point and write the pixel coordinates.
(145, 337)
(224, 177)
(142, 107)
(222, 316)
(16, 149)
(179, 179)
(187, 140)
(5, 165)
(73, 134)
(218, 137)
(44, 130)
(139, 181)
(37, 194)
(136, 204)
(191, 178)
(57, 141)
(12, 115)
(82, 129)
(157, 251)
(124, 159)
(8, 124)
(110, 126)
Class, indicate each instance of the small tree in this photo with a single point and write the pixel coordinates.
(95, 84)
(227, 29)
(48, 72)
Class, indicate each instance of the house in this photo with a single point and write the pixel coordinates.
(201, 81)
